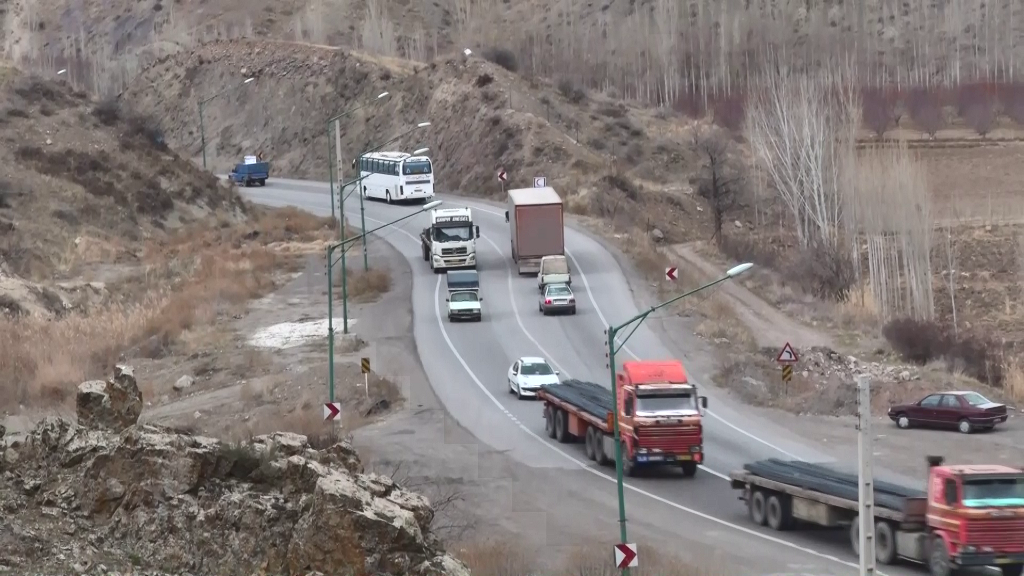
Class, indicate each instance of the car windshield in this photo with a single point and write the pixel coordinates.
(662, 403)
(417, 167)
(535, 369)
(464, 297)
(975, 399)
(994, 492)
(454, 234)
(559, 291)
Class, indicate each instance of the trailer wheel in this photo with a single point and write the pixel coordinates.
(756, 507)
(885, 542)
(549, 419)
(562, 427)
(778, 512)
(938, 558)
(590, 449)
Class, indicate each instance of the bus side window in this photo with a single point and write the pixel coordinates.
(393, 168)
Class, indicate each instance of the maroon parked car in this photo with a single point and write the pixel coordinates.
(965, 411)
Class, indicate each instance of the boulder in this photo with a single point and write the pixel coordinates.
(184, 383)
(151, 497)
(114, 404)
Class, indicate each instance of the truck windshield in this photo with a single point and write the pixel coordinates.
(453, 234)
(464, 297)
(417, 167)
(994, 492)
(683, 402)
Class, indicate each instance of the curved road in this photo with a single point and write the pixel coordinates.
(466, 364)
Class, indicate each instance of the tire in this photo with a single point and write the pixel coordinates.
(689, 469)
(549, 421)
(263, 181)
(602, 458)
(756, 507)
(519, 392)
(512, 390)
(364, 193)
(628, 466)
(778, 512)
(562, 427)
(591, 452)
(388, 197)
(1014, 570)
(902, 421)
(965, 426)
(938, 559)
(572, 312)
(885, 542)
(426, 254)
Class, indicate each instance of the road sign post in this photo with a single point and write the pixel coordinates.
(626, 556)
(671, 274)
(540, 182)
(365, 365)
(787, 358)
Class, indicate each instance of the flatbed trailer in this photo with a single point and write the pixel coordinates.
(785, 494)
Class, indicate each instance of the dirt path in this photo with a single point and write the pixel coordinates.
(769, 326)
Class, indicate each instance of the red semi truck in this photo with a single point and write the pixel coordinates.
(659, 416)
(537, 226)
(970, 515)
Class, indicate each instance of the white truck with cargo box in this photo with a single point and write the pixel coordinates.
(537, 226)
(464, 295)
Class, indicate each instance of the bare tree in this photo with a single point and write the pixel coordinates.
(722, 181)
(379, 35)
(951, 270)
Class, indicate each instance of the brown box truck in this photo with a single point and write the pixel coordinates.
(536, 225)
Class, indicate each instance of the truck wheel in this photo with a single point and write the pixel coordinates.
(549, 419)
(562, 427)
(601, 458)
(689, 469)
(756, 507)
(628, 466)
(263, 181)
(1015, 570)
(426, 254)
(885, 542)
(938, 559)
(591, 452)
(778, 512)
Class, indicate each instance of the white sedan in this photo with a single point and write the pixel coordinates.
(528, 374)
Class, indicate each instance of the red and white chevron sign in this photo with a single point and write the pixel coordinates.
(671, 273)
(332, 410)
(626, 556)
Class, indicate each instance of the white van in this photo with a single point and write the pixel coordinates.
(553, 270)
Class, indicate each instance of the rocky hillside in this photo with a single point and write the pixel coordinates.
(84, 182)
(608, 159)
(107, 495)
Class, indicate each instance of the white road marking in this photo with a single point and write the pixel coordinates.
(585, 466)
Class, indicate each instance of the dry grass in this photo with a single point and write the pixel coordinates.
(190, 280)
(367, 286)
(1013, 379)
(502, 558)
(722, 325)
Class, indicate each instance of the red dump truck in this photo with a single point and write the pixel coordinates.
(659, 416)
(537, 226)
(970, 516)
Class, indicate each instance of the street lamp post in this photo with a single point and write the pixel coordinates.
(343, 246)
(362, 207)
(612, 333)
(330, 147)
(202, 127)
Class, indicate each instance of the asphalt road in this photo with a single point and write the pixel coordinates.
(467, 363)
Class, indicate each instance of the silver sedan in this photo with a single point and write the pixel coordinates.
(557, 298)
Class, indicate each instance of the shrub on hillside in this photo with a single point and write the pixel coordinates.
(926, 110)
(108, 112)
(729, 113)
(922, 341)
(876, 110)
(572, 91)
(825, 271)
(502, 57)
(1011, 99)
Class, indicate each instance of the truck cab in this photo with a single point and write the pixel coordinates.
(463, 295)
(450, 240)
(975, 518)
(660, 415)
(250, 172)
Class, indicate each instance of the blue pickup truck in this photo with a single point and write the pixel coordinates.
(250, 172)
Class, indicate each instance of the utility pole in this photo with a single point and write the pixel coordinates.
(866, 500)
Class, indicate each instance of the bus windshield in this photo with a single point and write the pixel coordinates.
(416, 167)
(993, 492)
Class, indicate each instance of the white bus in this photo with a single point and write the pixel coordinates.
(396, 177)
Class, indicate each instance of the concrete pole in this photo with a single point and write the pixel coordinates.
(341, 193)
(866, 500)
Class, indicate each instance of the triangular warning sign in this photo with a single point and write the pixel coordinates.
(787, 355)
